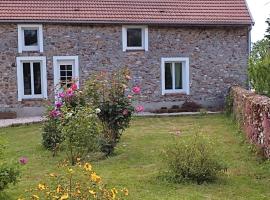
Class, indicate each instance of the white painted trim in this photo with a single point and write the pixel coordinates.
(57, 59)
(145, 41)
(43, 71)
(21, 46)
(185, 68)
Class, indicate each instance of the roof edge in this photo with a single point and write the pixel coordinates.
(126, 23)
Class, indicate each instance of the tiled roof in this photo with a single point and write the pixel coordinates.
(180, 12)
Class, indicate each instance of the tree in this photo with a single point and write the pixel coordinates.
(267, 35)
(259, 67)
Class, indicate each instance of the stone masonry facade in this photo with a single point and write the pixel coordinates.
(217, 55)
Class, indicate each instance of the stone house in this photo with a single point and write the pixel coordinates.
(177, 50)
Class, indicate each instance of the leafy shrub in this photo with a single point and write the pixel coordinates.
(259, 67)
(190, 106)
(110, 93)
(51, 135)
(8, 172)
(192, 159)
(80, 127)
(69, 98)
(78, 182)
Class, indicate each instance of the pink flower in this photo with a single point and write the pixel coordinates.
(129, 96)
(58, 104)
(55, 113)
(70, 92)
(136, 90)
(139, 109)
(23, 160)
(74, 86)
(125, 112)
(61, 95)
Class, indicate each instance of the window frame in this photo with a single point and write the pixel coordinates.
(20, 82)
(21, 42)
(56, 60)
(185, 75)
(144, 38)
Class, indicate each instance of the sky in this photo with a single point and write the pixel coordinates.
(260, 10)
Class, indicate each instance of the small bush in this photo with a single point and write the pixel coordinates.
(80, 127)
(51, 135)
(190, 106)
(8, 172)
(192, 159)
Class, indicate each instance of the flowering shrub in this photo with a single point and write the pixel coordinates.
(9, 172)
(192, 159)
(73, 121)
(111, 93)
(78, 182)
(80, 127)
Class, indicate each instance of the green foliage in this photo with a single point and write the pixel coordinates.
(51, 135)
(267, 35)
(80, 127)
(193, 159)
(259, 67)
(8, 172)
(108, 92)
(229, 104)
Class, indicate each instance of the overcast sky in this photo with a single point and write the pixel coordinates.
(260, 10)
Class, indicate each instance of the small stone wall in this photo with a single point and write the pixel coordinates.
(253, 113)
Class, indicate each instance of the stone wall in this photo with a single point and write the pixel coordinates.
(218, 59)
(252, 111)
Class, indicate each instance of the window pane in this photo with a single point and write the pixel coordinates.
(134, 37)
(168, 76)
(66, 75)
(27, 78)
(37, 78)
(178, 76)
(30, 37)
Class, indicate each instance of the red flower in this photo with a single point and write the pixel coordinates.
(136, 90)
(74, 86)
(129, 96)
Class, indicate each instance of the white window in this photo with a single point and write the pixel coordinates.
(66, 70)
(175, 75)
(135, 38)
(30, 38)
(31, 77)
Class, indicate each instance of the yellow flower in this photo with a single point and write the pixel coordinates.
(78, 191)
(70, 170)
(92, 192)
(58, 189)
(95, 177)
(125, 190)
(64, 197)
(41, 186)
(87, 167)
(36, 197)
(52, 175)
(114, 192)
(20, 199)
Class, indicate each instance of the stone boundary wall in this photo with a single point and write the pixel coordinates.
(253, 113)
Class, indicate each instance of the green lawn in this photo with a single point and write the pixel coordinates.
(137, 161)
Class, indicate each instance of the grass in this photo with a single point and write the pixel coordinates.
(137, 162)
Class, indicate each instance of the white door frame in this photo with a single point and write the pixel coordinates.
(62, 59)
